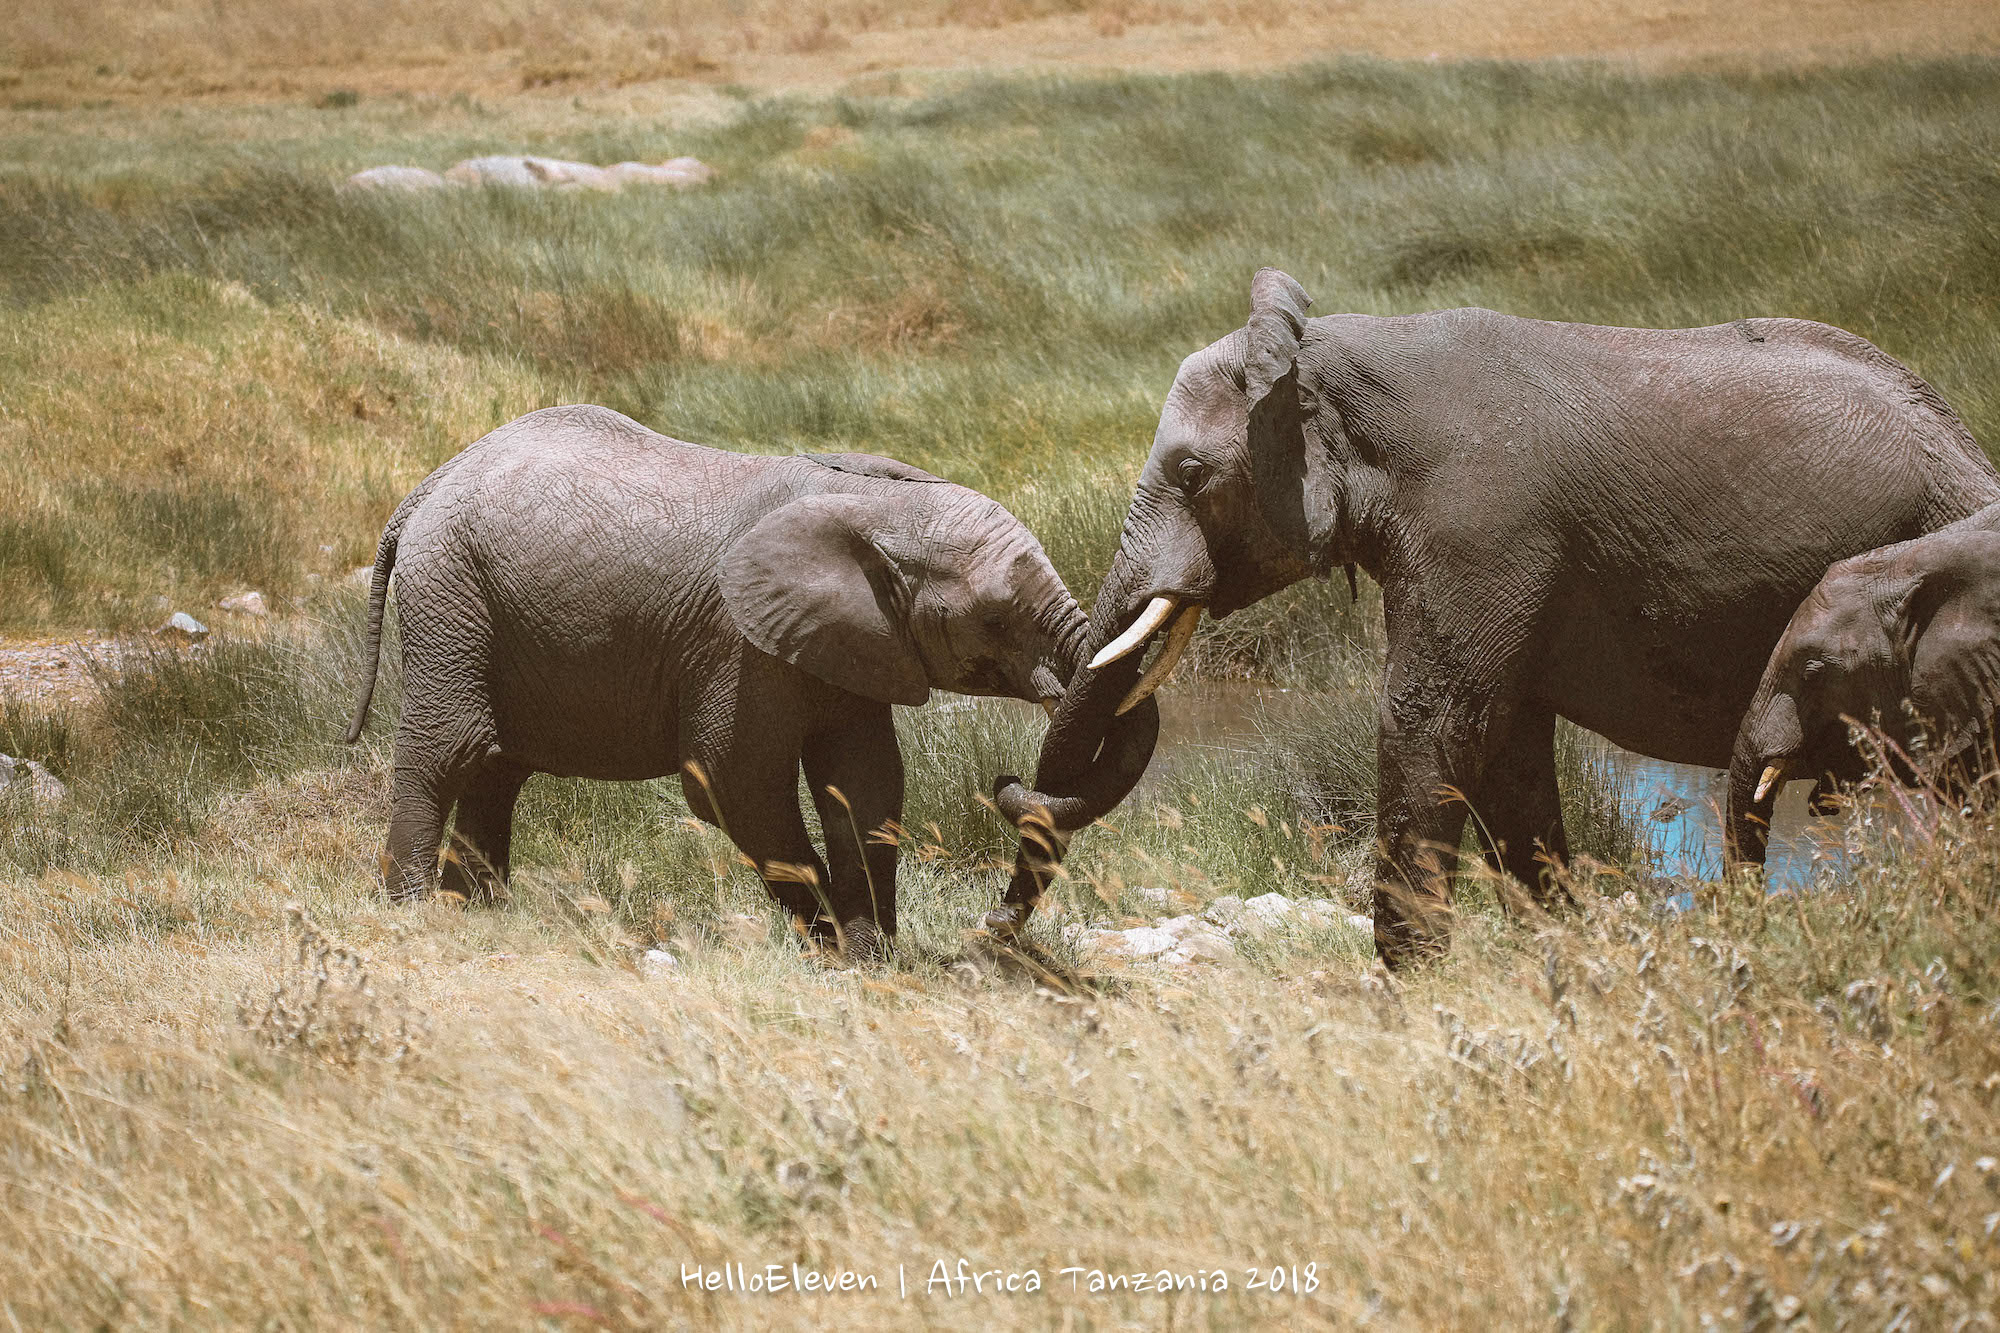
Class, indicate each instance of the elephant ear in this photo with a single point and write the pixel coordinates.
(1271, 337)
(1953, 631)
(808, 586)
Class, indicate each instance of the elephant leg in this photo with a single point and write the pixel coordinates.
(1517, 808)
(420, 795)
(856, 776)
(760, 813)
(1453, 689)
(483, 837)
(1418, 830)
(443, 739)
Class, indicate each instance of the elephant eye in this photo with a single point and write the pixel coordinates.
(1192, 473)
(1813, 668)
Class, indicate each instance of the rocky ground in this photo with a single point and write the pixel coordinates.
(68, 669)
(1209, 933)
(52, 671)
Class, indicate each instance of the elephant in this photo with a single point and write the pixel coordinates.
(584, 597)
(1905, 638)
(1608, 525)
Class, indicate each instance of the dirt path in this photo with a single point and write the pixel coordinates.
(52, 670)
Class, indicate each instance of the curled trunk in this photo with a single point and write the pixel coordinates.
(1091, 759)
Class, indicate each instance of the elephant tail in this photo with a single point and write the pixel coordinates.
(378, 596)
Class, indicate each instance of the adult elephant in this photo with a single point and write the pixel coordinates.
(1906, 638)
(581, 596)
(1608, 525)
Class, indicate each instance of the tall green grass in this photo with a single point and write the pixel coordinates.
(995, 282)
(223, 370)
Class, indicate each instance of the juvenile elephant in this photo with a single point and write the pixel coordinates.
(1604, 524)
(1906, 638)
(584, 597)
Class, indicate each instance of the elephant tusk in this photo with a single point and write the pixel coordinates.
(1049, 706)
(1772, 777)
(1163, 665)
(1154, 616)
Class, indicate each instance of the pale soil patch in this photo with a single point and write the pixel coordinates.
(87, 52)
(50, 670)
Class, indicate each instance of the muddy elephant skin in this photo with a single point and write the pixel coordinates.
(581, 596)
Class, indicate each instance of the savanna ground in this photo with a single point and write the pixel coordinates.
(239, 1089)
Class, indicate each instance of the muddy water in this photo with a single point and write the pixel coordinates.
(1683, 807)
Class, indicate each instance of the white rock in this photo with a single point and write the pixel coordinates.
(1364, 924)
(1225, 910)
(396, 178)
(1178, 926)
(1204, 943)
(536, 172)
(361, 576)
(245, 604)
(659, 963)
(1267, 910)
(680, 173)
(1319, 913)
(493, 171)
(180, 625)
(1094, 941)
(1138, 942)
(46, 786)
(530, 173)
(1150, 894)
(583, 175)
(1145, 941)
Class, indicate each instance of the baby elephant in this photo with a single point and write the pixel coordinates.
(582, 596)
(1916, 624)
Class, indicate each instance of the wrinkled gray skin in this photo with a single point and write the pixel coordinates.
(1608, 525)
(584, 597)
(1906, 638)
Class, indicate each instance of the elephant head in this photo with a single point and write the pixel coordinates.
(892, 592)
(1249, 487)
(1906, 638)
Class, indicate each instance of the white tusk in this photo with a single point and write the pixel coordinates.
(1154, 616)
(1772, 777)
(1049, 706)
(1163, 665)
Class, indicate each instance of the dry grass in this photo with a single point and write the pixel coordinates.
(236, 1087)
(244, 447)
(220, 1109)
(60, 51)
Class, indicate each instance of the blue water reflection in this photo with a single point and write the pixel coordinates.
(1684, 810)
(1681, 808)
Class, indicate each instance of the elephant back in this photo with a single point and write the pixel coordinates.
(873, 465)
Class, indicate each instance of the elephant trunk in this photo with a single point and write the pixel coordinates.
(1766, 747)
(1091, 759)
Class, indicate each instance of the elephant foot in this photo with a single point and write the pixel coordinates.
(473, 883)
(400, 889)
(863, 941)
(858, 940)
(1007, 919)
